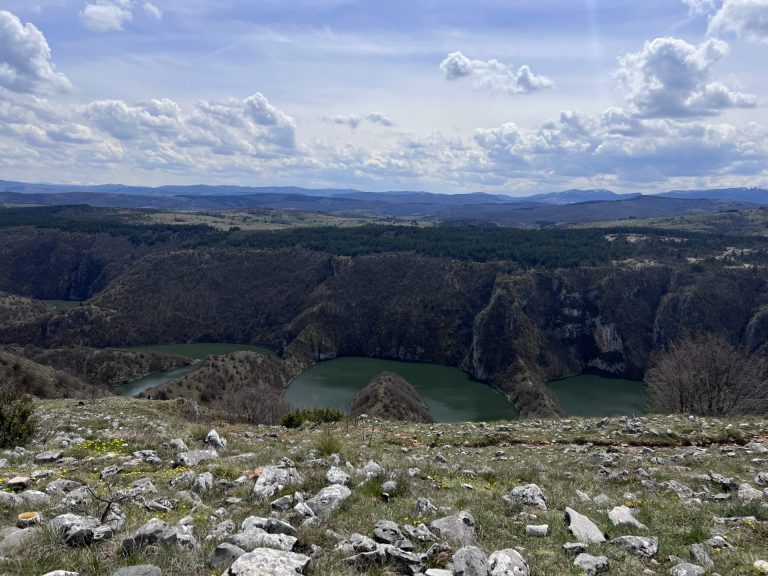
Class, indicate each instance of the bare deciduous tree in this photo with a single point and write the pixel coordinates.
(707, 376)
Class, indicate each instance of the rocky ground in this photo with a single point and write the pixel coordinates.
(134, 487)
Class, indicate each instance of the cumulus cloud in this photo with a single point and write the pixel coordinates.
(671, 78)
(250, 127)
(747, 19)
(25, 59)
(699, 7)
(107, 15)
(152, 10)
(492, 75)
(354, 120)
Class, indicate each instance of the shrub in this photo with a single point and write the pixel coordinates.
(296, 418)
(708, 376)
(17, 421)
(328, 444)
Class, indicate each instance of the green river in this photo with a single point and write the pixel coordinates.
(450, 393)
(196, 352)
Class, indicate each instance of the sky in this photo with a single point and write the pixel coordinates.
(502, 96)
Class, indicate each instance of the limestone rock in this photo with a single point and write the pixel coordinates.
(591, 565)
(268, 562)
(139, 570)
(624, 515)
(470, 561)
(458, 527)
(638, 545)
(223, 556)
(195, 457)
(508, 562)
(328, 499)
(528, 495)
(583, 528)
(273, 479)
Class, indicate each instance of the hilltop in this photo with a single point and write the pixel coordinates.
(663, 490)
(390, 397)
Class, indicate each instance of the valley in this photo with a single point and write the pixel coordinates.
(508, 309)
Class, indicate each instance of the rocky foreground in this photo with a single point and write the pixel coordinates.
(141, 488)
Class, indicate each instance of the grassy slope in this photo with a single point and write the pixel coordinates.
(553, 454)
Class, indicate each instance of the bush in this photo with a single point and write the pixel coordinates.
(17, 421)
(296, 418)
(708, 376)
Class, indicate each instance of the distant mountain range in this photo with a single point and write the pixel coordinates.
(477, 209)
(573, 196)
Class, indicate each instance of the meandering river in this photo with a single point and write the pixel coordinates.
(452, 396)
(196, 352)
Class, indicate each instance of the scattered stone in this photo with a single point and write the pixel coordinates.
(372, 470)
(195, 457)
(8, 500)
(540, 531)
(686, 569)
(337, 476)
(268, 562)
(273, 479)
(328, 499)
(203, 483)
(574, 548)
(638, 545)
(583, 528)
(16, 539)
(699, 555)
(508, 562)
(213, 439)
(148, 534)
(625, 515)
(388, 532)
(528, 495)
(746, 492)
(80, 530)
(470, 561)
(139, 570)
(223, 556)
(424, 507)
(49, 456)
(761, 566)
(458, 527)
(591, 565)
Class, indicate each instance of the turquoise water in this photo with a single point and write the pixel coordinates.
(589, 395)
(196, 352)
(450, 394)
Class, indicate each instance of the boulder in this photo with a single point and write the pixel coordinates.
(583, 528)
(470, 561)
(457, 527)
(508, 562)
(528, 495)
(268, 562)
(591, 565)
(638, 545)
(328, 499)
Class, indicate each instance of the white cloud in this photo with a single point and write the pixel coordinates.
(25, 59)
(700, 7)
(747, 19)
(152, 10)
(671, 78)
(492, 75)
(354, 120)
(107, 15)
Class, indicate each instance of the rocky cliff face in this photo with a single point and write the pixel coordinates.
(513, 328)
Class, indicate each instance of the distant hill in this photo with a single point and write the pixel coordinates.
(752, 195)
(390, 397)
(576, 196)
